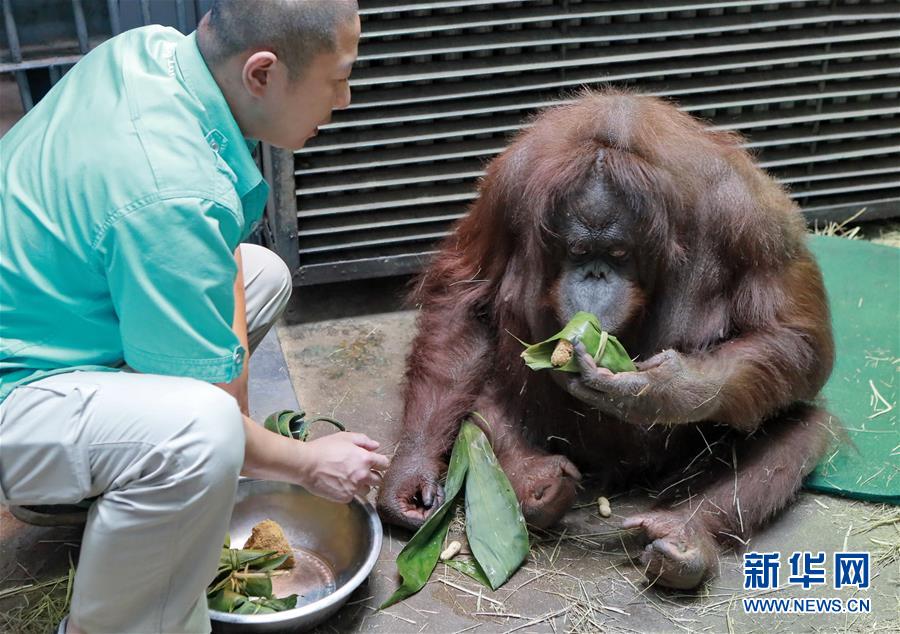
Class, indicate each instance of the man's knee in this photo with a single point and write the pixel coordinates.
(279, 279)
(273, 275)
(213, 444)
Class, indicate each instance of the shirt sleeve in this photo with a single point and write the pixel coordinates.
(171, 270)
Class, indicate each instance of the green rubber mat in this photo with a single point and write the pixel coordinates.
(863, 282)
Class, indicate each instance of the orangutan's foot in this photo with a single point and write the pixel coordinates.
(679, 554)
(545, 486)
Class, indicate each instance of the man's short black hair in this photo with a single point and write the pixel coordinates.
(295, 30)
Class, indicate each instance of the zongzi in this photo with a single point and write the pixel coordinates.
(268, 535)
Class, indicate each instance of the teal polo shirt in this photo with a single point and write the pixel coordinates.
(123, 196)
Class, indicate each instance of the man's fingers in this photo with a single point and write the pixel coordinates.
(362, 440)
(341, 497)
(379, 462)
(372, 479)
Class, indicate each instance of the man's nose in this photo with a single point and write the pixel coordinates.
(343, 98)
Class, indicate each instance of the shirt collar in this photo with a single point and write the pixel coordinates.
(221, 130)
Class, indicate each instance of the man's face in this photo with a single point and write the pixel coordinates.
(298, 108)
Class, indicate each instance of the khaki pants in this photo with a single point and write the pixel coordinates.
(163, 453)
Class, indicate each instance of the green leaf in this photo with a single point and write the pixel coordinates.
(495, 526)
(284, 603)
(255, 585)
(228, 601)
(583, 325)
(237, 558)
(219, 582)
(417, 560)
(327, 419)
(269, 564)
(614, 358)
(224, 600)
(252, 607)
(284, 422)
(605, 348)
(471, 568)
(291, 423)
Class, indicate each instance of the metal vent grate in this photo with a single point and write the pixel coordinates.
(440, 86)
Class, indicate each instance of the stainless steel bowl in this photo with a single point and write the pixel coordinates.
(335, 548)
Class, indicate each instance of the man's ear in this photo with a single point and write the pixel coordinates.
(258, 71)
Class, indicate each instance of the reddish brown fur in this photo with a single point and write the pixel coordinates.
(730, 288)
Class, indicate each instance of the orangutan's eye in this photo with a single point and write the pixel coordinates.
(618, 253)
(577, 250)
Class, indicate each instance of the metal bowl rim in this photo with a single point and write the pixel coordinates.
(332, 600)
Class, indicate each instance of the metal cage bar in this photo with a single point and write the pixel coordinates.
(115, 20)
(80, 26)
(15, 49)
(145, 12)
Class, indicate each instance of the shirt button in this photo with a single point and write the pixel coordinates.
(214, 146)
(238, 355)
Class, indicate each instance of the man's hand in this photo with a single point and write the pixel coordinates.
(341, 465)
(337, 466)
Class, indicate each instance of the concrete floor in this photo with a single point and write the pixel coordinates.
(344, 350)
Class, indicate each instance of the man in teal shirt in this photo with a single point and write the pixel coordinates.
(128, 306)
